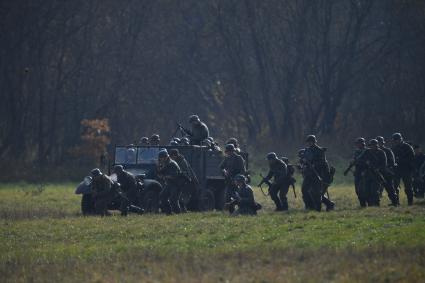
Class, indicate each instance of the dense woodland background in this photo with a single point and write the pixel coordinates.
(268, 72)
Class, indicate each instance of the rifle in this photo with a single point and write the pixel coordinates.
(184, 130)
(354, 162)
(264, 181)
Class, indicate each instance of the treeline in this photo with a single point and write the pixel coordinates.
(265, 71)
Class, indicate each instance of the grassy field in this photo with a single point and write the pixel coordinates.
(45, 239)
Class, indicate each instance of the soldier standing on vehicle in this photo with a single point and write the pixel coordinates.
(418, 178)
(102, 192)
(169, 173)
(280, 186)
(316, 174)
(388, 173)
(199, 131)
(235, 142)
(232, 165)
(404, 157)
(243, 198)
(187, 181)
(154, 140)
(144, 141)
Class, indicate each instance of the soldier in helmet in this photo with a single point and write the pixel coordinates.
(279, 188)
(418, 178)
(169, 173)
(102, 191)
(360, 170)
(128, 184)
(144, 141)
(243, 197)
(184, 141)
(232, 165)
(154, 140)
(235, 142)
(199, 131)
(404, 157)
(388, 174)
(316, 174)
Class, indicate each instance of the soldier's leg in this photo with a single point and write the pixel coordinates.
(408, 188)
(316, 194)
(230, 193)
(164, 200)
(305, 189)
(283, 192)
(361, 190)
(396, 182)
(389, 188)
(273, 191)
(326, 201)
(101, 203)
(175, 194)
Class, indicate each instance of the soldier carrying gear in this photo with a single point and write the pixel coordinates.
(128, 186)
(418, 178)
(102, 192)
(232, 165)
(144, 141)
(388, 173)
(154, 140)
(404, 158)
(316, 175)
(243, 198)
(169, 172)
(187, 179)
(199, 131)
(280, 186)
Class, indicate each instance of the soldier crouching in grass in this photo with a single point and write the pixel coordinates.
(243, 198)
(102, 192)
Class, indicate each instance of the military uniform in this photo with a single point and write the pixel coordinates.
(315, 166)
(388, 175)
(278, 171)
(245, 201)
(199, 133)
(404, 157)
(186, 180)
(129, 189)
(170, 195)
(376, 163)
(233, 164)
(103, 194)
(359, 176)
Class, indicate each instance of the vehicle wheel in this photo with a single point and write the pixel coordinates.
(87, 204)
(151, 202)
(206, 200)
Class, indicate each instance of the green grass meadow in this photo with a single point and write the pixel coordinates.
(44, 238)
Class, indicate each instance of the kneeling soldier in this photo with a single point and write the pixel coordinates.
(244, 198)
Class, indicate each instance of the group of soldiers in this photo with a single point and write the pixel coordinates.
(376, 168)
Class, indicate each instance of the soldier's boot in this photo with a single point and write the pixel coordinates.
(273, 195)
(362, 203)
(284, 204)
(330, 205)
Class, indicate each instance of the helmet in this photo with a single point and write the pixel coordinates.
(373, 142)
(239, 178)
(211, 139)
(271, 156)
(311, 138)
(360, 141)
(174, 152)
(176, 139)
(144, 140)
(96, 172)
(194, 118)
(163, 153)
(174, 143)
(397, 137)
(154, 137)
(229, 147)
(184, 141)
(118, 168)
(380, 139)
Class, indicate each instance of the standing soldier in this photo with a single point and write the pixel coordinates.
(199, 130)
(359, 171)
(169, 172)
(235, 143)
(144, 141)
(388, 173)
(376, 163)
(154, 140)
(316, 174)
(418, 179)
(243, 198)
(404, 157)
(280, 186)
(232, 165)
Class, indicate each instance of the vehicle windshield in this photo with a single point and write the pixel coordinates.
(136, 155)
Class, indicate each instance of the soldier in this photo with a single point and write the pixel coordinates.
(280, 186)
(418, 178)
(144, 141)
(102, 192)
(359, 171)
(316, 174)
(232, 165)
(184, 141)
(187, 180)
(376, 163)
(404, 157)
(199, 130)
(388, 173)
(243, 198)
(154, 140)
(235, 142)
(128, 184)
(169, 173)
